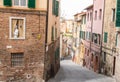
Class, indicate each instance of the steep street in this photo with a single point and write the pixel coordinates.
(71, 72)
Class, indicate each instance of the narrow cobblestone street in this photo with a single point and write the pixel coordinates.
(71, 72)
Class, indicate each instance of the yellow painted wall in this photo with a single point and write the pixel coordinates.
(40, 5)
(52, 22)
(82, 51)
(1, 2)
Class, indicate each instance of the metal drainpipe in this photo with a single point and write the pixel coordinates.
(46, 34)
(47, 17)
(101, 38)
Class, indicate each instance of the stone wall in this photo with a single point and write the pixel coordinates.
(52, 59)
(109, 27)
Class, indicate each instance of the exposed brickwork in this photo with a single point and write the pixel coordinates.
(32, 46)
(52, 63)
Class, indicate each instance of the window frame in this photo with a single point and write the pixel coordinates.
(100, 14)
(91, 16)
(113, 15)
(104, 54)
(16, 58)
(20, 4)
(95, 15)
(10, 27)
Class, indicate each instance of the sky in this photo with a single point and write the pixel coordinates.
(71, 7)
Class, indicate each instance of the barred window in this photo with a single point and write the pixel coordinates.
(17, 59)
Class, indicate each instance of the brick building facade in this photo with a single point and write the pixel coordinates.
(24, 55)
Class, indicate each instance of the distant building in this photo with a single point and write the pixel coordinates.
(29, 37)
(98, 9)
(88, 34)
(78, 47)
(66, 36)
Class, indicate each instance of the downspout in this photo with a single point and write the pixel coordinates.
(47, 17)
(101, 38)
(46, 35)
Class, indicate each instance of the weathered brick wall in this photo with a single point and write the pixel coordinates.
(109, 27)
(32, 46)
(52, 64)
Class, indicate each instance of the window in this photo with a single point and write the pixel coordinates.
(88, 53)
(89, 35)
(55, 7)
(90, 15)
(113, 15)
(100, 14)
(17, 28)
(85, 19)
(95, 38)
(117, 21)
(17, 59)
(105, 37)
(80, 34)
(20, 2)
(53, 34)
(92, 57)
(95, 15)
(99, 38)
(84, 35)
(7, 2)
(104, 57)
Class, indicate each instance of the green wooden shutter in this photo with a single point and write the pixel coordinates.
(118, 14)
(57, 8)
(55, 32)
(52, 36)
(105, 37)
(80, 34)
(7, 2)
(31, 3)
(53, 7)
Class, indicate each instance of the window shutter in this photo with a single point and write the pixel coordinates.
(80, 34)
(55, 32)
(57, 8)
(52, 36)
(118, 14)
(31, 3)
(53, 7)
(105, 37)
(7, 2)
